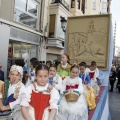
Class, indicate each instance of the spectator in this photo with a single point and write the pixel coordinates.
(43, 62)
(33, 59)
(56, 62)
(31, 78)
(49, 63)
(1, 73)
(112, 78)
(20, 62)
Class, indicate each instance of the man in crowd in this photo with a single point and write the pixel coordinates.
(1, 73)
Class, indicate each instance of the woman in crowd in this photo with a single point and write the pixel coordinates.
(112, 78)
(64, 68)
(37, 102)
(75, 107)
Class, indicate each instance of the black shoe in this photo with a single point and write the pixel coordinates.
(110, 90)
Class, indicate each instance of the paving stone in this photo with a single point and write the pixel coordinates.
(114, 104)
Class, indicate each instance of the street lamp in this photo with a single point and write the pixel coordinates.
(63, 26)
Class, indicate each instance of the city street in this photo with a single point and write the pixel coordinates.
(114, 103)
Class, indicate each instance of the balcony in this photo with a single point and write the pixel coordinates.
(54, 42)
(62, 2)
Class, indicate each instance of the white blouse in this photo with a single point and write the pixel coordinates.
(26, 95)
(30, 80)
(71, 82)
(57, 80)
(11, 90)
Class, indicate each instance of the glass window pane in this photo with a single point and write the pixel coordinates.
(20, 50)
(32, 7)
(24, 18)
(21, 4)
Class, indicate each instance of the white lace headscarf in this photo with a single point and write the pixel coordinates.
(17, 68)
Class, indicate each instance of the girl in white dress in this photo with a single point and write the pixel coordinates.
(14, 90)
(54, 79)
(74, 109)
(37, 102)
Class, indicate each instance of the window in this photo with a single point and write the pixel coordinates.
(94, 5)
(72, 3)
(86, 4)
(78, 4)
(52, 26)
(32, 7)
(104, 7)
(26, 12)
(20, 50)
(21, 4)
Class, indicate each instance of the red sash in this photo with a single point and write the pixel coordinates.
(39, 102)
(91, 74)
(71, 87)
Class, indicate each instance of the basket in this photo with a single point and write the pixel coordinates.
(71, 95)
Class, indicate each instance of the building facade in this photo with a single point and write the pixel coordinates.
(20, 31)
(32, 28)
(68, 8)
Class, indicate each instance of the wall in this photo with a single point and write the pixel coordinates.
(7, 9)
(89, 10)
(7, 12)
(45, 17)
(4, 41)
(59, 10)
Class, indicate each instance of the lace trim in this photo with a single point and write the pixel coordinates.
(17, 89)
(66, 68)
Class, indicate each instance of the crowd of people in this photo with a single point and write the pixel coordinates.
(114, 76)
(51, 91)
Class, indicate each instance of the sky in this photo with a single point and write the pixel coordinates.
(115, 8)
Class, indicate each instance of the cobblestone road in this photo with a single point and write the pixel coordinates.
(114, 103)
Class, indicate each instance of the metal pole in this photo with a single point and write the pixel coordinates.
(65, 42)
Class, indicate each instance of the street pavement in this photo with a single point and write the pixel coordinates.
(114, 104)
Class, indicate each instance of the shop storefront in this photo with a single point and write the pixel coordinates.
(18, 42)
(21, 50)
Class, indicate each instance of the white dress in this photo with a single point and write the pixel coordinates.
(94, 84)
(26, 98)
(32, 79)
(57, 80)
(73, 110)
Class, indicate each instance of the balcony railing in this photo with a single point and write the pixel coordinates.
(62, 2)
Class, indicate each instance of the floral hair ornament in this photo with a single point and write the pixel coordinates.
(17, 68)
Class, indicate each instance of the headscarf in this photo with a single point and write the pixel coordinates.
(17, 68)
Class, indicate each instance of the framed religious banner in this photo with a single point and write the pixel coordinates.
(88, 39)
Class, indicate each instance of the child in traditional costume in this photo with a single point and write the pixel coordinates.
(94, 76)
(88, 90)
(37, 102)
(14, 90)
(31, 77)
(54, 79)
(64, 68)
(73, 105)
